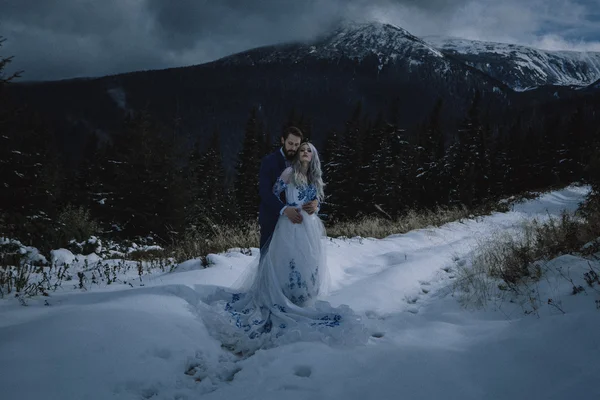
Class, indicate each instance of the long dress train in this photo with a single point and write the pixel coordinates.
(276, 300)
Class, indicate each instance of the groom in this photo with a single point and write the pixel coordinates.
(271, 167)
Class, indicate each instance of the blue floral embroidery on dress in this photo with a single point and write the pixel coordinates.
(329, 321)
(307, 193)
(280, 308)
(279, 186)
(298, 288)
(313, 276)
(268, 325)
(295, 275)
(257, 320)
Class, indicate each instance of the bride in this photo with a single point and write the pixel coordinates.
(276, 300)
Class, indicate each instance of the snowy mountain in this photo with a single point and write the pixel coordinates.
(358, 41)
(522, 67)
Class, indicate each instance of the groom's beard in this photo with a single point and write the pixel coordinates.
(289, 154)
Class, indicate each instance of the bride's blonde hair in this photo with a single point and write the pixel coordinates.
(313, 174)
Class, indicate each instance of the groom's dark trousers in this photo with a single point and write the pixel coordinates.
(271, 205)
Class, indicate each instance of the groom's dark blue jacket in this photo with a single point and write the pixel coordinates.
(271, 168)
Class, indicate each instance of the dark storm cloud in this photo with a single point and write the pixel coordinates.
(53, 39)
(265, 20)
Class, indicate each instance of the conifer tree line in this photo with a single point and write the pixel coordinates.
(379, 168)
(145, 180)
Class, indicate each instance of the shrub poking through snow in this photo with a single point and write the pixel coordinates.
(514, 261)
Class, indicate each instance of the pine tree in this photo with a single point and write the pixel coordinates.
(469, 160)
(8, 165)
(31, 180)
(247, 169)
(370, 182)
(548, 151)
(211, 202)
(387, 171)
(4, 61)
(403, 171)
(86, 174)
(348, 170)
(500, 164)
(574, 147)
(329, 155)
(513, 154)
(592, 169)
(528, 165)
(430, 152)
(139, 179)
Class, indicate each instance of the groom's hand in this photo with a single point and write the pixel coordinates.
(293, 214)
(311, 207)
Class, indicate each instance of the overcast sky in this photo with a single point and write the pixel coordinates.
(55, 39)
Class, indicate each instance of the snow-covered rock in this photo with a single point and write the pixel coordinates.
(61, 257)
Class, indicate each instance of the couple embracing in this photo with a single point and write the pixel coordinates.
(291, 190)
(276, 299)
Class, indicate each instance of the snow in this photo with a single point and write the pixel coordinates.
(61, 257)
(372, 36)
(353, 40)
(123, 342)
(31, 254)
(542, 67)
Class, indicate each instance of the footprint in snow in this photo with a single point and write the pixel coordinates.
(411, 299)
(302, 371)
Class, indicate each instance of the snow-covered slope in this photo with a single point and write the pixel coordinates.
(131, 342)
(351, 40)
(519, 67)
(522, 67)
(359, 40)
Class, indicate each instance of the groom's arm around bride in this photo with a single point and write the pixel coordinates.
(271, 167)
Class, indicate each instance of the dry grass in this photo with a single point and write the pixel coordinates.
(379, 228)
(217, 239)
(511, 262)
(502, 262)
(75, 223)
(214, 238)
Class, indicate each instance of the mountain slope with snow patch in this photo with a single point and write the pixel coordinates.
(522, 67)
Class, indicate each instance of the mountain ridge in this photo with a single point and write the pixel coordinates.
(523, 67)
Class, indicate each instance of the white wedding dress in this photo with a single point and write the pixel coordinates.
(276, 300)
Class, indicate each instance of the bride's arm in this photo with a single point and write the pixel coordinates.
(286, 175)
(282, 181)
(281, 184)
